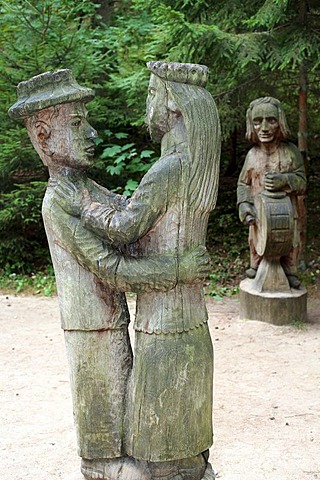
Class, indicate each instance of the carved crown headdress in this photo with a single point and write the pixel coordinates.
(190, 73)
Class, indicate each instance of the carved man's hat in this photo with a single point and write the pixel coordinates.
(46, 90)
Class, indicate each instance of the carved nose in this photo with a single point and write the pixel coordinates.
(92, 133)
(265, 125)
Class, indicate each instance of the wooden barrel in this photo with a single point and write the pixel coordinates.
(273, 232)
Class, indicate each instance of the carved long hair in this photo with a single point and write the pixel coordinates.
(203, 137)
(284, 129)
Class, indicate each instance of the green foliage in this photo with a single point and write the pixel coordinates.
(311, 276)
(46, 35)
(245, 44)
(223, 282)
(40, 283)
(23, 243)
(253, 48)
(227, 242)
(22, 207)
(269, 15)
(125, 161)
(37, 36)
(298, 324)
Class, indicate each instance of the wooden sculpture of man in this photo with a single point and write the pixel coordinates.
(169, 406)
(91, 275)
(275, 165)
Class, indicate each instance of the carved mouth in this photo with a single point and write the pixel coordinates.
(266, 136)
(90, 151)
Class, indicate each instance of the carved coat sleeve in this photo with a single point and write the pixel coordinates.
(118, 270)
(244, 190)
(101, 194)
(147, 205)
(296, 174)
(122, 272)
(134, 217)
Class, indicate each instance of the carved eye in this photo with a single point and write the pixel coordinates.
(76, 122)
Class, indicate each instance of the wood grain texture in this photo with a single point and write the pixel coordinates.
(159, 411)
(274, 156)
(170, 393)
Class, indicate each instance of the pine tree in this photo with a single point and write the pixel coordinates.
(253, 48)
(36, 36)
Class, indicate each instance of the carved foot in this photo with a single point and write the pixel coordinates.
(165, 470)
(123, 468)
(192, 468)
(251, 273)
(209, 473)
(294, 282)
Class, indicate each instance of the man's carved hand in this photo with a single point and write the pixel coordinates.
(194, 266)
(247, 213)
(70, 196)
(275, 181)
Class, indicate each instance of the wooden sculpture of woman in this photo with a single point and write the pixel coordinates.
(169, 406)
(92, 275)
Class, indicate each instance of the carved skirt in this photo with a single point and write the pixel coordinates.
(169, 414)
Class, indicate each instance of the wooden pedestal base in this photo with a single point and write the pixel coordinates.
(278, 308)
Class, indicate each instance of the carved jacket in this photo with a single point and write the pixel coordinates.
(90, 273)
(286, 160)
(160, 217)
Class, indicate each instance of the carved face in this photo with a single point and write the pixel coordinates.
(62, 136)
(157, 114)
(71, 139)
(265, 119)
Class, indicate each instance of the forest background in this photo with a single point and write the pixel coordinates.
(253, 48)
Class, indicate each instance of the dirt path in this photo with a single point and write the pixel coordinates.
(267, 395)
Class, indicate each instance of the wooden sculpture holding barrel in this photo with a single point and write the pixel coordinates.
(270, 196)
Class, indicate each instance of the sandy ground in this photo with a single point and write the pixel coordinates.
(267, 395)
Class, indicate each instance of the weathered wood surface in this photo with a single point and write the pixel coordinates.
(169, 212)
(270, 277)
(270, 185)
(278, 308)
(275, 165)
(273, 233)
(89, 230)
(273, 238)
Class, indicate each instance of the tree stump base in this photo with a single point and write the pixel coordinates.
(278, 308)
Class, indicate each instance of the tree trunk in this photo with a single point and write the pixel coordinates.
(232, 164)
(303, 136)
(303, 112)
(105, 10)
(303, 89)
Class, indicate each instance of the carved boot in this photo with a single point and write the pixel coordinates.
(294, 282)
(251, 272)
(209, 474)
(122, 468)
(186, 469)
(193, 468)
